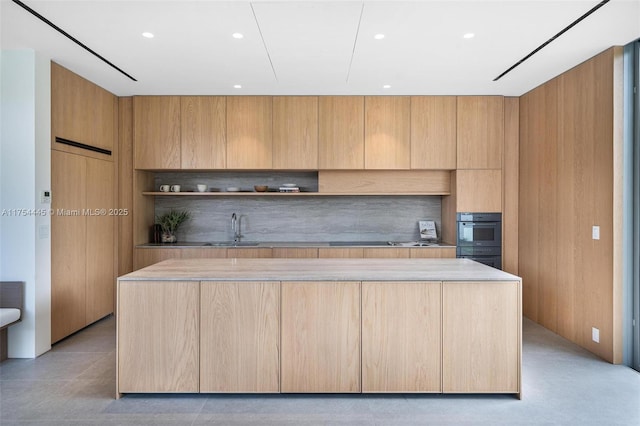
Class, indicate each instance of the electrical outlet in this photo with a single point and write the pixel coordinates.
(595, 334)
(595, 232)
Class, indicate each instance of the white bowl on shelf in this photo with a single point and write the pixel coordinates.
(289, 185)
(233, 189)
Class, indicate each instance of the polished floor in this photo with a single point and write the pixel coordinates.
(74, 384)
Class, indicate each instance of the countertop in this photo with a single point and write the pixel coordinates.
(295, 244)
(319, 270)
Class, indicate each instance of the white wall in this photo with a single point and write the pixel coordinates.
(25, 171)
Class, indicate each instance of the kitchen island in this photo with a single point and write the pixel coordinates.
(319, 326)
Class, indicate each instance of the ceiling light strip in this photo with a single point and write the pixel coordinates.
(263, 42)
(536, 50)
(355, 42)
(69, 36)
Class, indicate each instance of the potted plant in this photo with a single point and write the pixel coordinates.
(169, 222)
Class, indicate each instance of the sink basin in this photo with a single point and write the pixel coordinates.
(230, 244)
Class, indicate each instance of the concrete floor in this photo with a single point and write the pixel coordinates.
(74, 384)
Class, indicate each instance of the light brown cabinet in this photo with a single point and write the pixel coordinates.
(240, 337)
(158, 336)
(81, 112)
(387, 132)
(341, 132)
(341, 253)
(294, 252)
(401, 332)
(249, 141)
(320, 335)
(148, 256)
(480, 132)
(249, 252)
(156, 132)
(386, 252)
(82, 242)
(203, 132)
(433, 253)
(481, 346)
(433, 132)
(295, 132)
(479, 190)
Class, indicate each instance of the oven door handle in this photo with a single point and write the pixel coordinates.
(479, 224)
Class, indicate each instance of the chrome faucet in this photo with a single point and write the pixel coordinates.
(235, 227)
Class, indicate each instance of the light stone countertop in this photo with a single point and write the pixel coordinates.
(289, 244)
(319, 270)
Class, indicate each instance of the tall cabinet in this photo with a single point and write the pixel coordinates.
(83, 189)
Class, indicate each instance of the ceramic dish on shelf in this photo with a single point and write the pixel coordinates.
(233, 189)
(289, 185)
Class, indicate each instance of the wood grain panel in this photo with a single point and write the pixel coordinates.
(255, 253)
(100, 240)
(71, 109)
(299, 253)
(433, 132)
(203, 142)
(449, 210)
(479, 190)
(143, 206)
(401, 337)
(104, 106)
(68, 243)
(320, 337)
(203, 253)
(249, 142)
(428, 182)
(510, 183)
(386, 253)
(156, 132)
(341, 132)
(144, 257)
(481, 338)
(387, 132)
(433, 253)
(480, 132)
(341, 253)
(295, 132)
(125, 185)
(158, 336)
(240, 337)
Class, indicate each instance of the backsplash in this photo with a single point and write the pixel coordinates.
(293, 218)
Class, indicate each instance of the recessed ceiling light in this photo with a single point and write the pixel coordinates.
(386, 86)
(378, 36)
(469, 35)
(237, 86)
(147, 34)
(238, 35)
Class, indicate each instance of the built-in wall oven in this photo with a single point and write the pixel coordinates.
(480, 238)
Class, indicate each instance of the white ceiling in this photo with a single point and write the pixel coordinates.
(319, 47)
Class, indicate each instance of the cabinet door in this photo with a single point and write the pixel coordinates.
(479, 190)
(100, 269)
(295, 132)
(294, 253)
(386, 132)
(341, 132)
(68, 242)
(481, 338)
(433, 253)
(71, 108)
(144, 257)
(341, 253)
(249, 143)
(240, 337)
(480, 132)
(401, 337)
(156, 132)
(158, 336)
(320, 332)
(103, 123)
(249, 253)
(433, 132)
(387, 253)
(202, 132)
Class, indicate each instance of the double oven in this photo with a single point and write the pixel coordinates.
(480, 238)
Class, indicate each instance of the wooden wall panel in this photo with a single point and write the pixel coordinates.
(125, 185)
(433, 132)
(249, 140)
(156, 132)
(480, 132)
(387, 143)
(510, 182)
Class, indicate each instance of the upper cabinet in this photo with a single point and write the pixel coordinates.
(203, 136)
(341, 132)
(156, 132)
(81, 112)
(480, 132)
(249, 142)
(387, 132)
(295, 132)
(433, 132)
